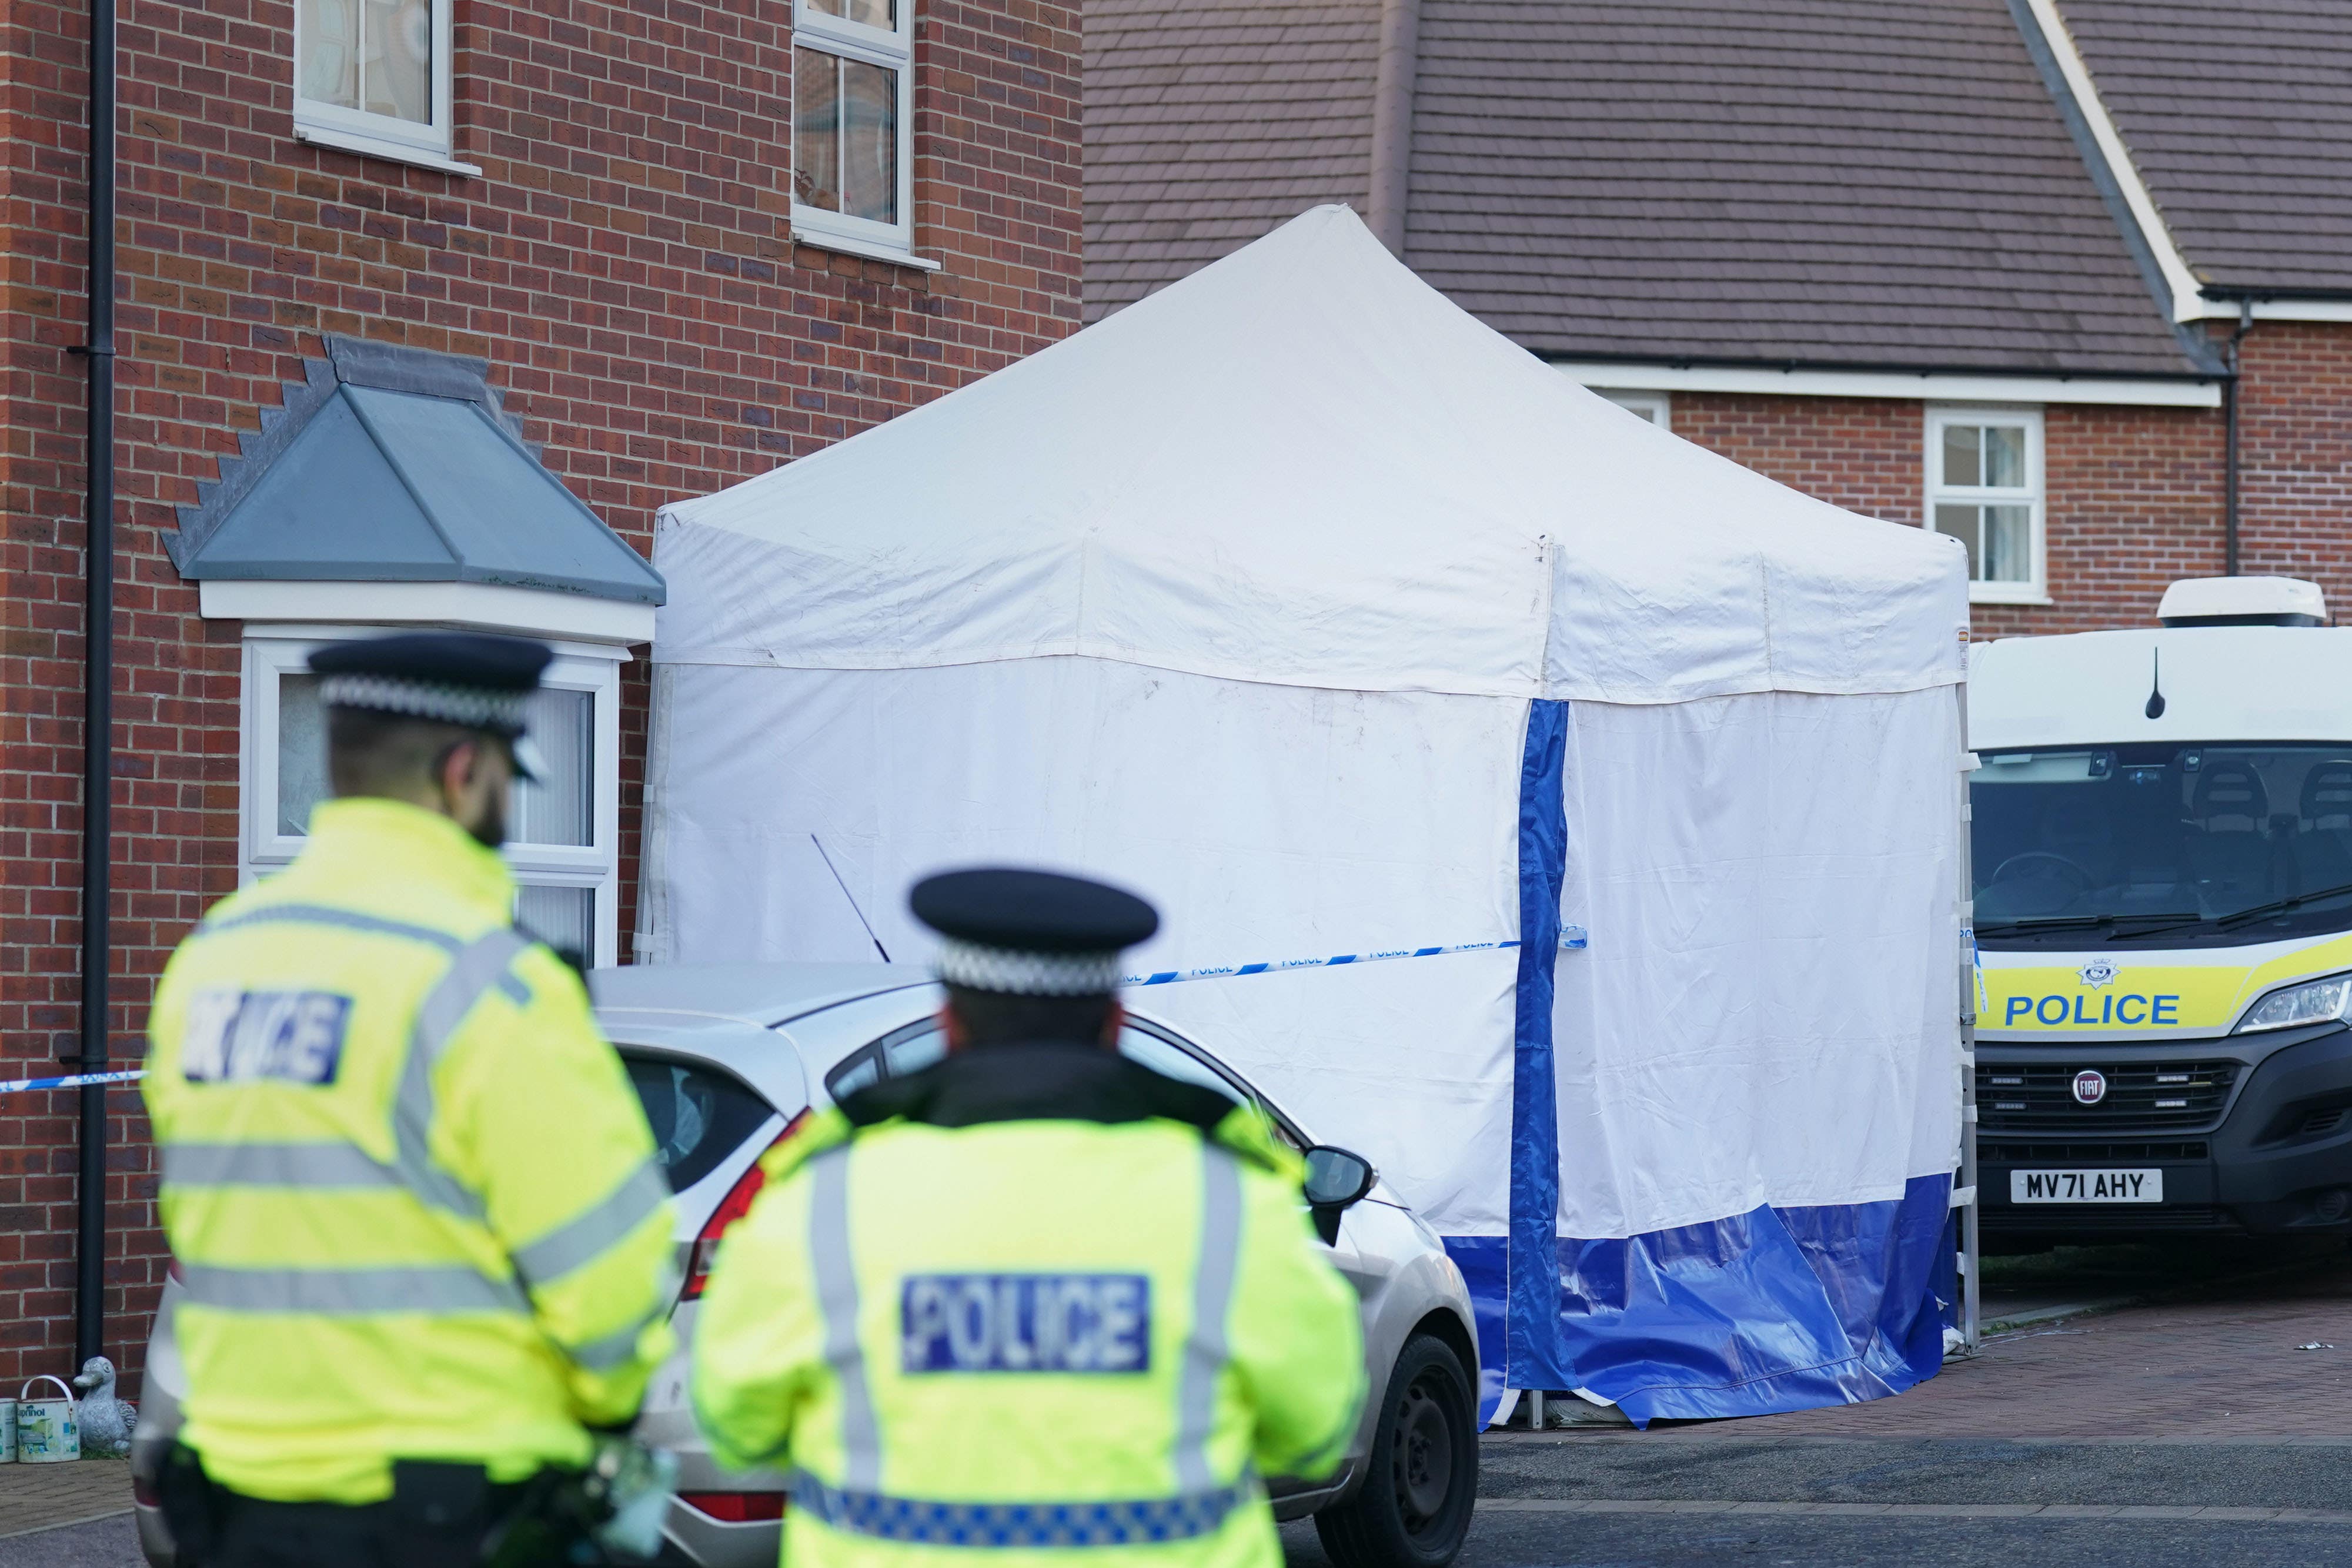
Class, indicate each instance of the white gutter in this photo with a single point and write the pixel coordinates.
(2188, 301)
(1935, 387)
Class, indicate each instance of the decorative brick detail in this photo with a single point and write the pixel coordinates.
(625, 264)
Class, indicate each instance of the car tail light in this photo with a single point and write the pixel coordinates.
(732, 1208)
(736, 1507)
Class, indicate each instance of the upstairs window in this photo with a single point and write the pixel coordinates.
(853, 125)
(1984, 489)
(373, 77)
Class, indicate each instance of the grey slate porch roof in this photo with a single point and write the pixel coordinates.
(392, 464)
(1842, 182)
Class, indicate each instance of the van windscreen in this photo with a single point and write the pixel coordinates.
(2162, 844)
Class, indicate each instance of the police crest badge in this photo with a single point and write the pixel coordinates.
(2097, 972)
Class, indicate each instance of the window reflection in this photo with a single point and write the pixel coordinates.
(844, 136)
(397, 78)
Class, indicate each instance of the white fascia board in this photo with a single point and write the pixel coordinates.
(2285, 310)
(1932, 386)
(2189, 302)
(485, 606)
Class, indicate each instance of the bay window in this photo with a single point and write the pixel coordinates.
(563, 831)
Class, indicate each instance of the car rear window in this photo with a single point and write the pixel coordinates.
(698, 1117)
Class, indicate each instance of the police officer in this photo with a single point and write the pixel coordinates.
(1035, 1295)
(422, 1242)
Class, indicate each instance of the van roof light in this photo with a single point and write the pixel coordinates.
(2243, 602)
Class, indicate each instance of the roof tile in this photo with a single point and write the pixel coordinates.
(1841, 182)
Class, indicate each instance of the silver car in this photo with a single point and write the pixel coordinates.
(726, 1059)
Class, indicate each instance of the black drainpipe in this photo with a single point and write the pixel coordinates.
(98, 697)
(2229, 446)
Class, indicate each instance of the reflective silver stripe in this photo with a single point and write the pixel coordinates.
(613, 1349)
(275, 1165)
(433, 1288)
(836, 1294)
(1212, 1296)
(581, 1240)
(479, 965)
(323, 915)
(475, 967)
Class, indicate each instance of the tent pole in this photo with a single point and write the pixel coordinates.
(1971, 1253)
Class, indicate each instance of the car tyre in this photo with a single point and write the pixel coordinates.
(1421, 1478)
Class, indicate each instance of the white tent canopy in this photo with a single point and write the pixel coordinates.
(1305, 466)
(1299, 600)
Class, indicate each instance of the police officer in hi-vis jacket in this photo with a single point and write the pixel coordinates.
(1035, 1300)
(421, 1243)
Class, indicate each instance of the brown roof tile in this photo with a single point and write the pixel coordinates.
(1844, 181)
(2238, 117)
(1208, 124)
(1840, 181)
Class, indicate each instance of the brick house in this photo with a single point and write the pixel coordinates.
(618, 254)
(2017, 269)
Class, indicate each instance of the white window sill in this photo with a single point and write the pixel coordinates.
(872, 250)
(383, 147)
(2007, 593)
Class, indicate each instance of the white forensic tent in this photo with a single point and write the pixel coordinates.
(1302, 603)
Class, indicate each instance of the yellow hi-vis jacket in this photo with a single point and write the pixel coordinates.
(1042, 1300)
(411, 1196)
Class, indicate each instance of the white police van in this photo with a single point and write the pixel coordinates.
(2162, 847)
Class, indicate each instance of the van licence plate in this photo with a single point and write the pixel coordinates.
(2086, 1186)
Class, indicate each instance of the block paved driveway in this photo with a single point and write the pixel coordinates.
(2189, 1431)
(2223, 1366)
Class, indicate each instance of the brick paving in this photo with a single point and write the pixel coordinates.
(36, 1496)
(2225, 1366)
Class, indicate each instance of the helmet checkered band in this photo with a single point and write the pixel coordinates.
(471, 706)
(1023, 974)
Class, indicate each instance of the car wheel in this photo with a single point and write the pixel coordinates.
(1421, 1479)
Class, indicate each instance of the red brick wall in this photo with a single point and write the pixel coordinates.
(2134, 497)
(625, 264)
(2133, 503)
(1861, 453)
(2295, 456)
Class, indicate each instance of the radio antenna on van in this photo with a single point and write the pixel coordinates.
(2155, 692)
(851, 896)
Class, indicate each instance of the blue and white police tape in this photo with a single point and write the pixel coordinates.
(74, 1080)
(1571, 937)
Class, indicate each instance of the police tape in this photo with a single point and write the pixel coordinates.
(74, 1080)
(1571, 937)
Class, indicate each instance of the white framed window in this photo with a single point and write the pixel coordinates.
(1654, 406)
(854, 126)
(373, 77)
(1985, 489)
(563, 833)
